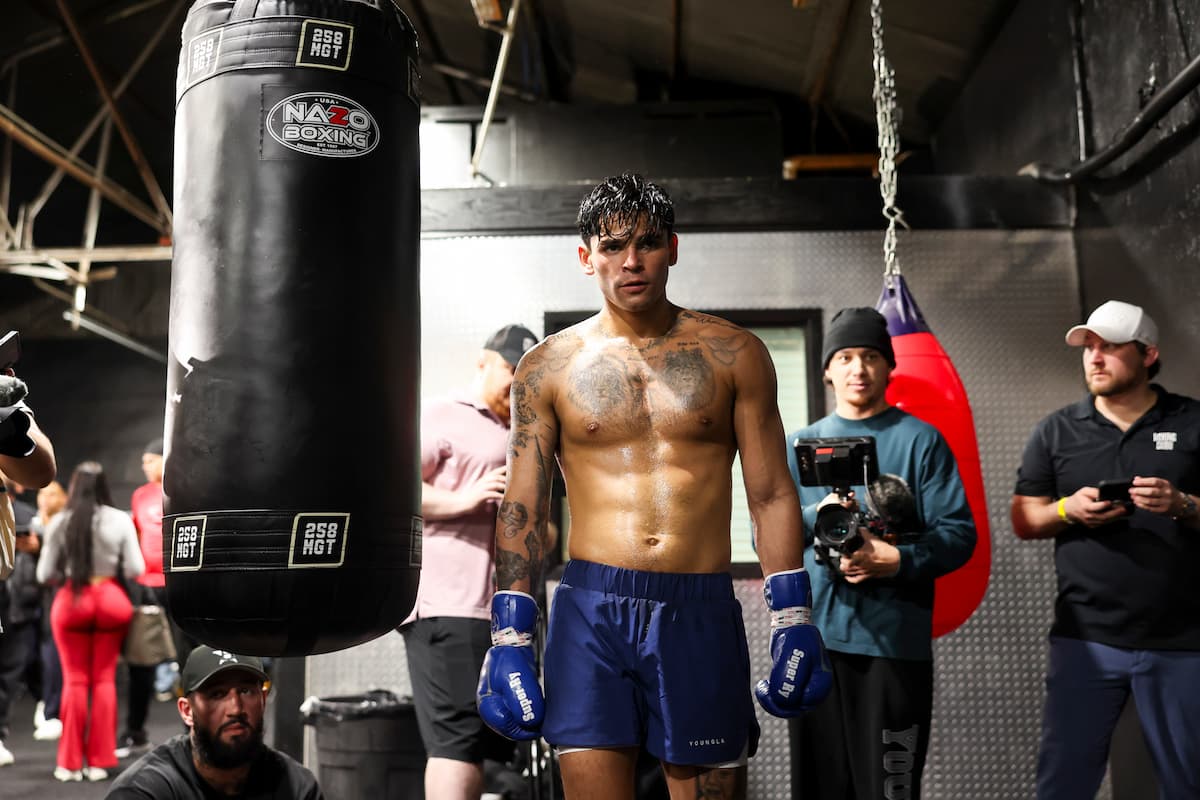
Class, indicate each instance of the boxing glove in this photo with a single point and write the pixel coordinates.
(800, 675)
(509, 697)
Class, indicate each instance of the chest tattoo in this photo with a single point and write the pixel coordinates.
(689, 378)
(673, 381)
(604, 386)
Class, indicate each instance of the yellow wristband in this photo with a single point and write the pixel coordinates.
(1062, 510)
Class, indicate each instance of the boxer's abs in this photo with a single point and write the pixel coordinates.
(672, 516)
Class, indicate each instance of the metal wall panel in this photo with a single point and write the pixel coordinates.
(999, 303)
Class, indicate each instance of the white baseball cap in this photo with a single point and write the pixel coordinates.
(1118, 323)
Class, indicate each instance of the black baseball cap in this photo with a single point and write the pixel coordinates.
(155, 447)
(511, 342)
(205, 662)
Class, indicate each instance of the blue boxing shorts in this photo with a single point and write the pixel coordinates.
(655, 659)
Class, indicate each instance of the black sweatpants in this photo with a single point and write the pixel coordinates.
(868, 739)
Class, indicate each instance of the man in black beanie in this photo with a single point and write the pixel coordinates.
(858, 327)
(874, 606)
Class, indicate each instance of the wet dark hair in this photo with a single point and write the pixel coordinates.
(89, 489)
(617, 204)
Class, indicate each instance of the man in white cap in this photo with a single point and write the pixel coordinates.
(1113, 480)
(223, 753)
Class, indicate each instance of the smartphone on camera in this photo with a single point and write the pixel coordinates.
(10, 350)
(1116, 491)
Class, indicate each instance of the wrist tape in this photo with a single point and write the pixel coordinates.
(512, 636)
(789, 617)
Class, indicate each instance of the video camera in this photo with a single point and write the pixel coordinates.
(840, 463)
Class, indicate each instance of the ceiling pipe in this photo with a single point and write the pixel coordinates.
(95, 313)
(497, 80)
(470, 77)
(50, 273)
(91, 224)
(102, 114)
(45, 148)
(99, 323)
(54, 39)
(102, 254)
(1156, 109)
(131, 144)
(98, 328)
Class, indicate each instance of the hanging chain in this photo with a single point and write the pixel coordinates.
(887, 120)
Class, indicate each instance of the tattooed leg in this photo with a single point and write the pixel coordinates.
(692, 783)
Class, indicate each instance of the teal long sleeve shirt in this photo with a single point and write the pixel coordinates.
(892, 617)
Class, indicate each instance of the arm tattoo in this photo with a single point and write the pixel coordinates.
(724, 348)
(544, 479)
(548, 358)
(511, 568)
(514, 516)
(536, 543)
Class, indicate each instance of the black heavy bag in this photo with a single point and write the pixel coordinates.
(292, 481)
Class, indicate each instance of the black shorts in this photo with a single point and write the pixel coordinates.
(445, 655)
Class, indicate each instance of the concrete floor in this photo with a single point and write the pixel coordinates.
(31, 776)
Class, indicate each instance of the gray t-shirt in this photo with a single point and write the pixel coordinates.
(113, 537)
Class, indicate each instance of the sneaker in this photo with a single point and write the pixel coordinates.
(39, 715)
(95, 774)
(132, 744)
(6, 756)
(67, 775)
(49, 731)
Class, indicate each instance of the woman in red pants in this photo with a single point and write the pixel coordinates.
(83, 550)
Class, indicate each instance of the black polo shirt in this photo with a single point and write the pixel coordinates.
(1136, 581)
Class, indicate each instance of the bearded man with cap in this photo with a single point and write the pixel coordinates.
(875, 607)
(463, 446)
(222, 754)
(1127, 615)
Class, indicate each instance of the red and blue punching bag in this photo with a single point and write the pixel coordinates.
(926, 385)
(292, 478)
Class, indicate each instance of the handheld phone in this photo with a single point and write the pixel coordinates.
(10, 350)
(1116, 491)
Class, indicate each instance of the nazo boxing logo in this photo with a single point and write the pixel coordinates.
(323, 124)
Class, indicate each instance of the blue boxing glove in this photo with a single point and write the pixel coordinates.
(509, 697)
(800, 675)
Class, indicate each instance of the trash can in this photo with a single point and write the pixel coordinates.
(368, 746)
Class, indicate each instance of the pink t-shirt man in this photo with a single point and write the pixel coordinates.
(461, 441)
(464, 443)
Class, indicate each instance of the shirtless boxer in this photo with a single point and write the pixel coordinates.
(645, 405)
